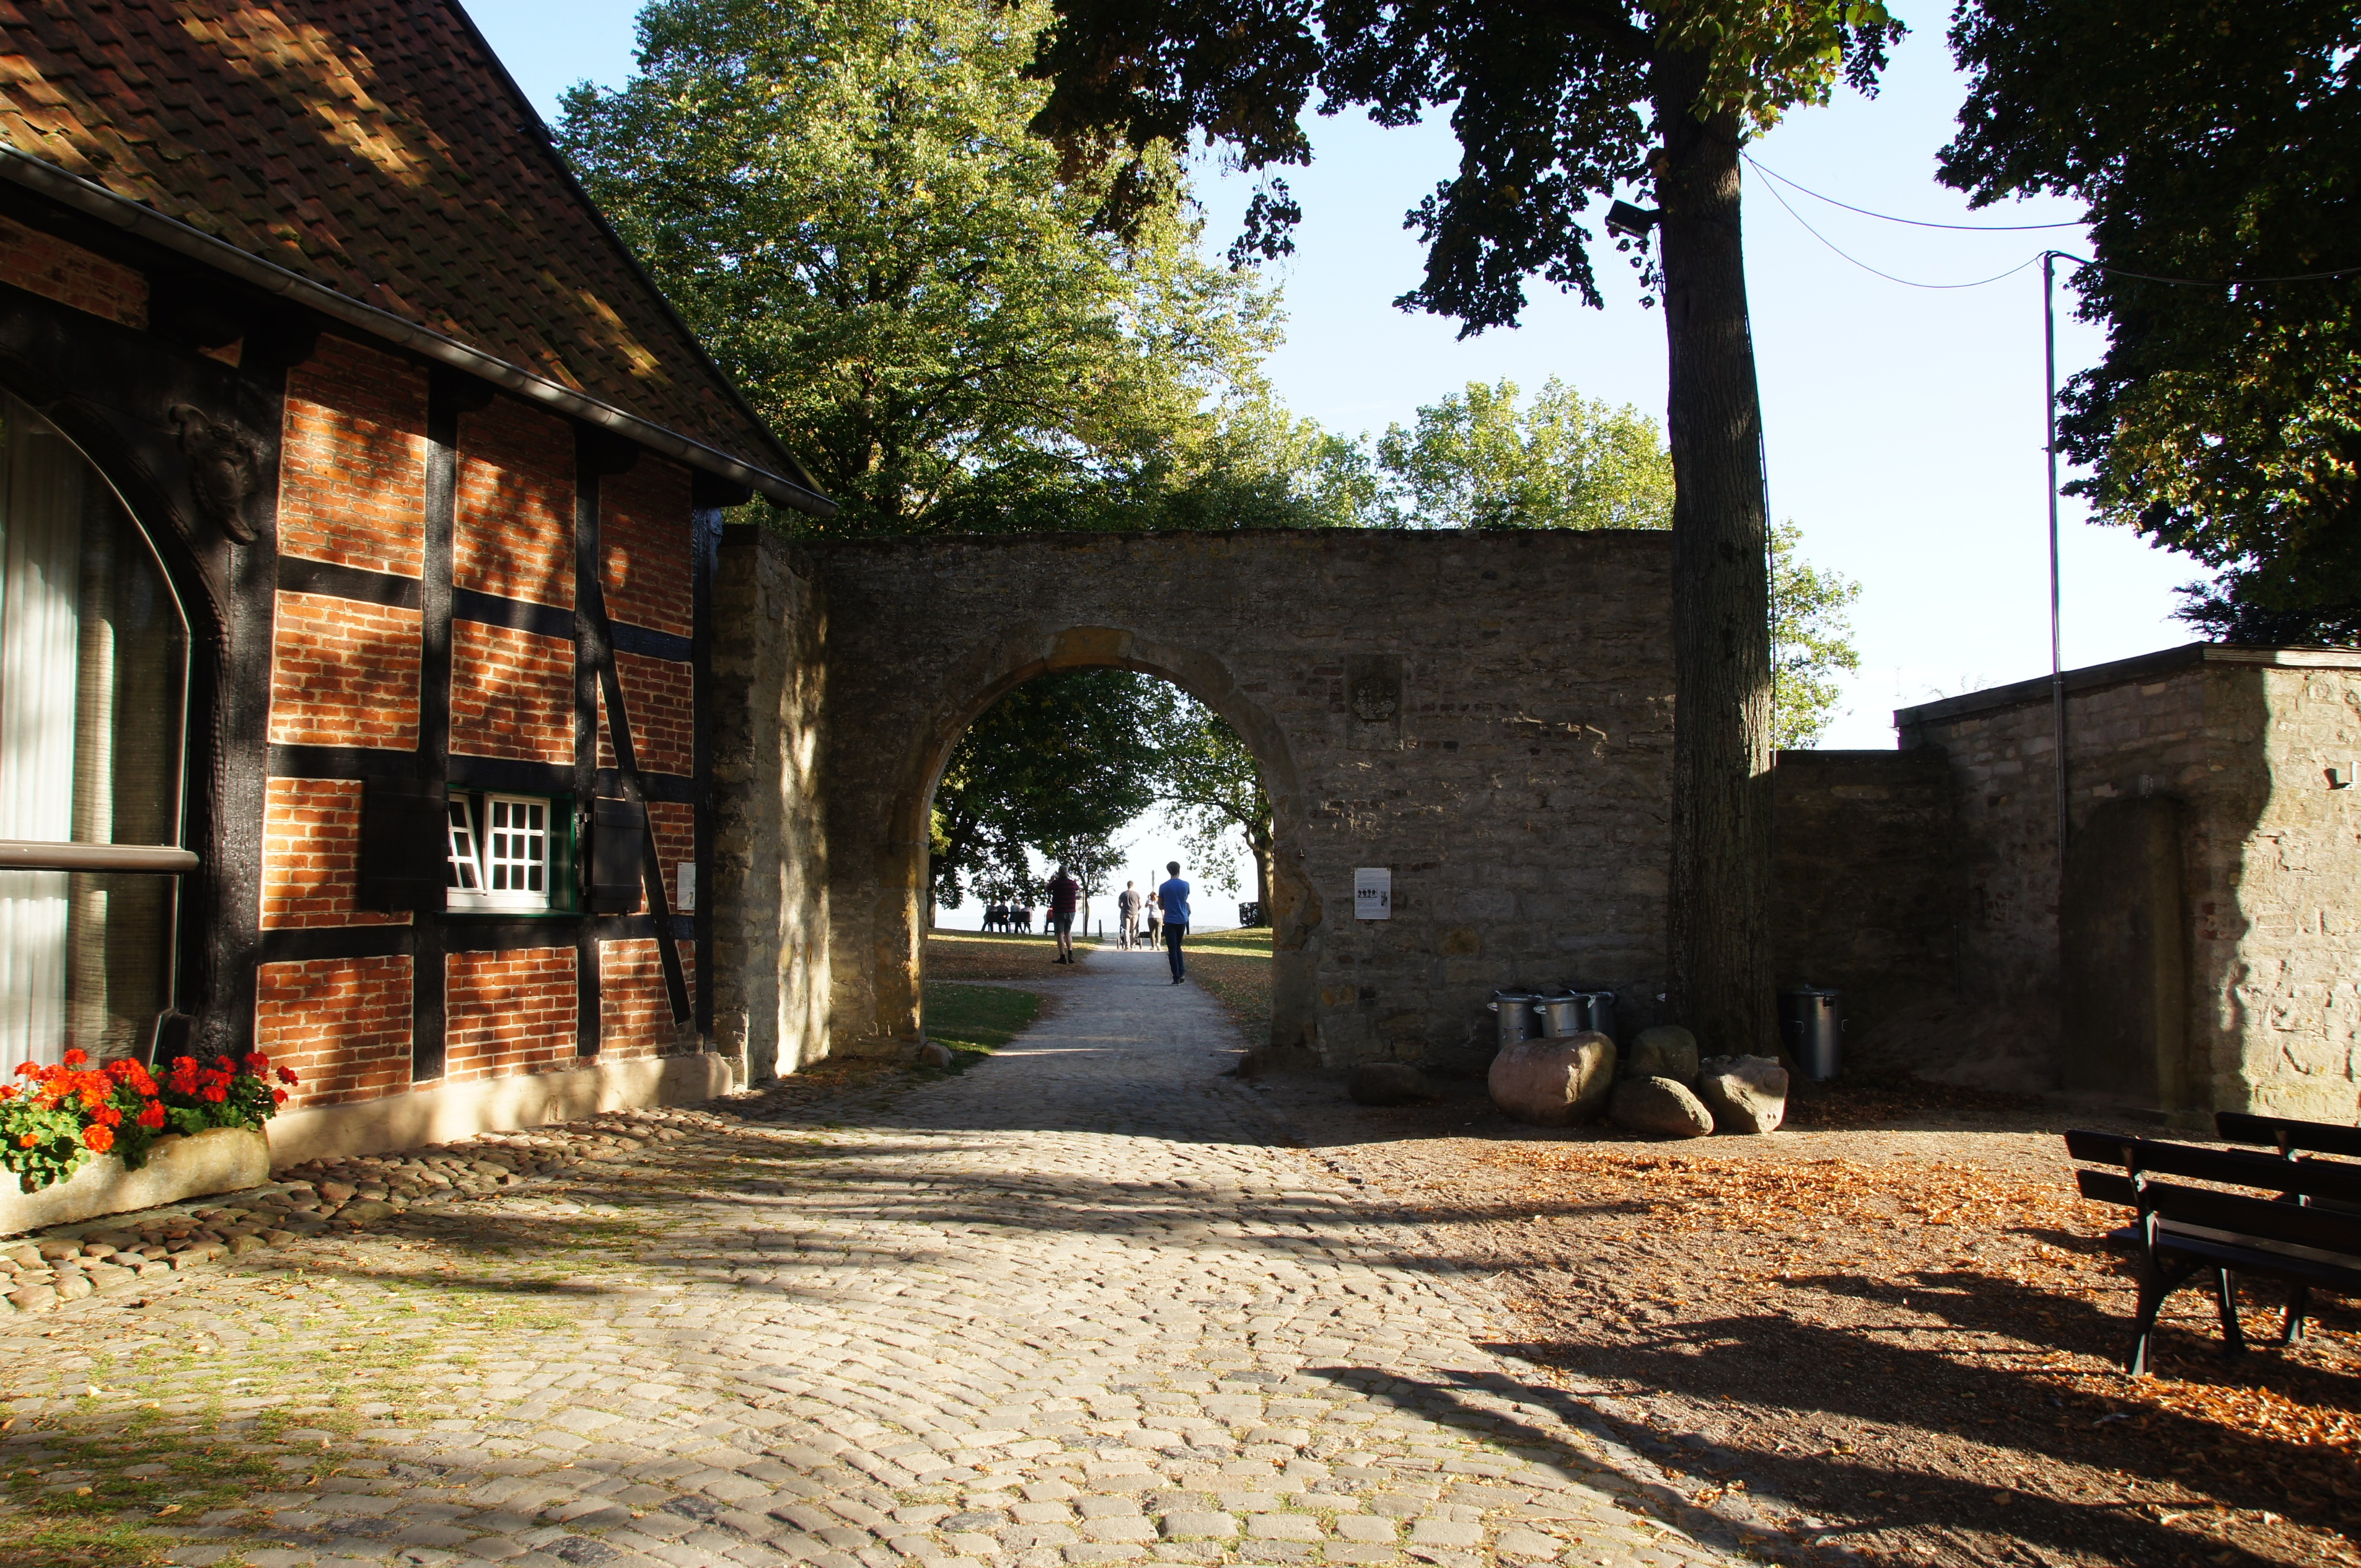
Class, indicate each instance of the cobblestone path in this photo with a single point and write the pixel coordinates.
(1079, 1304)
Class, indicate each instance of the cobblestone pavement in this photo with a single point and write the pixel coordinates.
(1080, 1304)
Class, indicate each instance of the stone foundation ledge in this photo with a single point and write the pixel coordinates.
(221, 1160)
(451, 1112)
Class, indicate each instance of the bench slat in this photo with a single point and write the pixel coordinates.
(2323, 1228)
(2323, 1272)
(2319, 1137)
(2311, 1178)
(2107, 1187)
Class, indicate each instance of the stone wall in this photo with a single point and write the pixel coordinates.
(770, 898)
(1863, 895)
(1487, 714)
(2268, 884)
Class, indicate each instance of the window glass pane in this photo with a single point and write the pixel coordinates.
(463, 871)
(92, 650)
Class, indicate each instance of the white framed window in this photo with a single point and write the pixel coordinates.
(498, 854)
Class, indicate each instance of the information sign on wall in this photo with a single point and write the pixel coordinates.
(1373, 892)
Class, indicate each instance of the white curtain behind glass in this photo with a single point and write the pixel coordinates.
(40, 554)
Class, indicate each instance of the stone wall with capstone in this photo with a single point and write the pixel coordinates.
(1488, 715)
(2200, 950)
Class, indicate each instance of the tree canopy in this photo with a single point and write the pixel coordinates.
(1557, 104)
(843, 199)
(1055, 767)
(2207, 141)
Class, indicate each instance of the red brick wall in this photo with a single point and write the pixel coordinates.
(512, 693)
(643, 546)
(658, 698)
(344, 674)
(44, 265)
(352, 468)
(310, 855)
(514, 531)
(510, 1012)
(342, 1023)
(634, 1013)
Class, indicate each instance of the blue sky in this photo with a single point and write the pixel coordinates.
(1904, 425)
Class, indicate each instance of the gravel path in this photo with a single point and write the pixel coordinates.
(1079, 1304)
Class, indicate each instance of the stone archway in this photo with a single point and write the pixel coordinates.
(1488, 715)
(1296, 914)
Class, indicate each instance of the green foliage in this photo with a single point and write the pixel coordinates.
(1811, 641)
(1477, 461)
(1056, 767)
(1554, 104)
(843, 201)
(1210, 780)
(2206, 141)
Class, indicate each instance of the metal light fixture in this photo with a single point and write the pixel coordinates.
(1630, 222)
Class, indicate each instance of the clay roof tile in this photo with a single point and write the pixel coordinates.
(377, 150)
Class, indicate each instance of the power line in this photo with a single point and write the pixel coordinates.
(1889, 217)
(2201, 283)
(1865, 266)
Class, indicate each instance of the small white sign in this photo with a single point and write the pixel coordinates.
(684, 879)
(1373, 892)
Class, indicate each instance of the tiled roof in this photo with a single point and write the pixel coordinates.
(377, 148)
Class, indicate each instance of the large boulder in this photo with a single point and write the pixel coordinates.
(1745, 1094)
(1661, 1106)
(1666, 1051)
(1386, 1083)
(1554, 1083)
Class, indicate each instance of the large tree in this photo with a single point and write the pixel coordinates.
(2207, 141)
(1557, 104)
(842, 198)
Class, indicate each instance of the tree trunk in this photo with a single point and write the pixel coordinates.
(1721, 977)
(1260, 849)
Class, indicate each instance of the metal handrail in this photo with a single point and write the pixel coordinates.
(33, 855)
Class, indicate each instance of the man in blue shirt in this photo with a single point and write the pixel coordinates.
(1174, 897)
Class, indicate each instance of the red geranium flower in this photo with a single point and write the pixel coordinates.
(99, 1137)
(28, 1140)
(286, 1075)
(278, 1097)
(151, 1115)
(76, 1057)
(215, 1093)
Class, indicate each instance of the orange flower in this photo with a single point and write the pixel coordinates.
(151, 1115)
(99, 1137)
(29, 1141)
(76, 1057)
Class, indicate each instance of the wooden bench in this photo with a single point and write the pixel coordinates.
(2293, 1235)
(2287, 1137)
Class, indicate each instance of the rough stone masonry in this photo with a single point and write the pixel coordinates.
(1488, 715)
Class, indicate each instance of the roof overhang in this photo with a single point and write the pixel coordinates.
(95, 200)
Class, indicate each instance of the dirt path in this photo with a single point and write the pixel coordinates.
(1907, 1324)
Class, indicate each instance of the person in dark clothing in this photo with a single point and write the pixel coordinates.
(1065, 892)
(1173, 896)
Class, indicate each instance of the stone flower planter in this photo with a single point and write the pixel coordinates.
(221, 1160)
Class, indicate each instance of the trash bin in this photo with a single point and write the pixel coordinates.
(1572, 1010)
(1811, 1022)
(1517, 1018)
(1562, 1013)
(1597, 1010)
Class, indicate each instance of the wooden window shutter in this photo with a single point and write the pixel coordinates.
(404, 844)
(618, 836)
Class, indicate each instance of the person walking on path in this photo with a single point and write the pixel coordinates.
(1126, 909)
(1174, 898)
(1155, 912)
(1065, 892)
